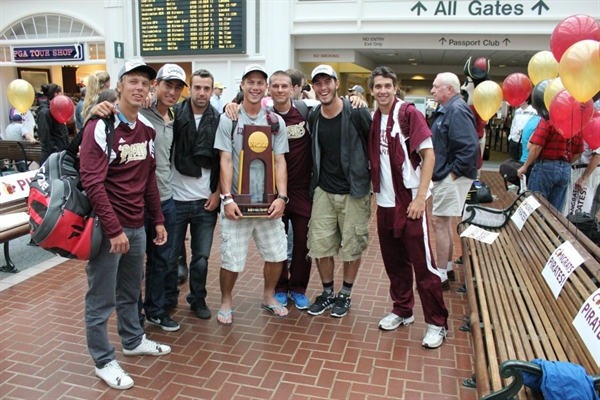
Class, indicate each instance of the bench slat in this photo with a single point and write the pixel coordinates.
(513, 310)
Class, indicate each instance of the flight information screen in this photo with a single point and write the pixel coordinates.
(192, 27)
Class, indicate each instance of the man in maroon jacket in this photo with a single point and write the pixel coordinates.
(121, 183)
(402, 159)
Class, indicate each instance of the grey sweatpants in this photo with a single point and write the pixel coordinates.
(115, 280)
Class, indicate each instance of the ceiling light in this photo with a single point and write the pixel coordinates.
(418, 78)
(411, 59)
(414, 63)
(501, 65)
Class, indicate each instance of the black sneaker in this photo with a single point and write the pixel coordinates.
(201, 309)
(165, 322)
(323, 302)
(446, 285)
(451, 276)
(341, 306)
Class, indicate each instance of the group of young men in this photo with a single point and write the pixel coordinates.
(177, 164)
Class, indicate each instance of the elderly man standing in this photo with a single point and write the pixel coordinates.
(456, 147)
(216, 101)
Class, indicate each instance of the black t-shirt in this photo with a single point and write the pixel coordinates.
(331, 175)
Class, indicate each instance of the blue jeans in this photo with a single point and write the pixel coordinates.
(202, 226)
(114, 281)
(551, 178)
(157, 262)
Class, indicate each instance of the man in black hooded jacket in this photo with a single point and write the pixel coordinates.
(195, 167)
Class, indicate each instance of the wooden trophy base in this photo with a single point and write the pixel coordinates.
(254, 210)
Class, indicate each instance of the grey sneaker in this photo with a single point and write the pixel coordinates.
(323, 302)
(148, 348)
(392, 321)
(114, 376)
(341, 306)
(434, 337)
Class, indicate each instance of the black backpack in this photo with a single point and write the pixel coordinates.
(61, 218)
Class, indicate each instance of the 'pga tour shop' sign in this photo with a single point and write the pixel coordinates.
(73, 52)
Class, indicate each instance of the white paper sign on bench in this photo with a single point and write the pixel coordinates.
(581, 201)
(15, 186)
(587, 323)
(524, 211)
(561, 264)
(477, 233)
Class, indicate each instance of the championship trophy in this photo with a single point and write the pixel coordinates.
(256, 178)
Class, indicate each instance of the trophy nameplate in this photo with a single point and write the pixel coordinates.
(256, 180)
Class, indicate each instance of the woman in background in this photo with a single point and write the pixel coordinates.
(97, 82)
(53, 135)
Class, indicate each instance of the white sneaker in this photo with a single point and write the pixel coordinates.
(114, 376)
(392, 321)
(434, 337)
(148, 348)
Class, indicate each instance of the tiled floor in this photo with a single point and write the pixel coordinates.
(43, 353)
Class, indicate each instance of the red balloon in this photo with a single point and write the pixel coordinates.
(62, 108)
(516, 88)
(568, 115)
(482, 63)
(591, 132)
(571, 30)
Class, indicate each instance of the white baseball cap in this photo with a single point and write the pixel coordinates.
(325, 70)
(169, 72)
(255, 67)
(137, 65)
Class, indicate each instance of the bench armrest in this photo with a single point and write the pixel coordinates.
(514, 368)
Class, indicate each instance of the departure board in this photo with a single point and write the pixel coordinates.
(192, 27)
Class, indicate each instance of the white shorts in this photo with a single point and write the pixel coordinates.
(449, 196)
(269, 236)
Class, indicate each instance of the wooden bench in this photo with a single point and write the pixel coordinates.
(16, 150)
(514, 315)
(14, 220)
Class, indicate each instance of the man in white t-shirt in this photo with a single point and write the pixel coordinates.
(17, 131)
(520, 118)
(402, 160)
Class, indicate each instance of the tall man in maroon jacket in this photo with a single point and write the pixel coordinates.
(402, 159)
(120, 183)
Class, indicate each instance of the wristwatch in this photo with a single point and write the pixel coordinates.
(284, 198)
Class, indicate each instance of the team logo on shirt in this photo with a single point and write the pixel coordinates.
(296, 131)
(383, 142)
(133, 152)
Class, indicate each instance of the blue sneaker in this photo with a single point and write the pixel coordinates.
(281, 297)
(301, 300)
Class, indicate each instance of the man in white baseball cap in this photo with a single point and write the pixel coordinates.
(160, 286)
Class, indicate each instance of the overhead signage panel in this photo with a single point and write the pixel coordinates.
(61, 53)
(191, 27)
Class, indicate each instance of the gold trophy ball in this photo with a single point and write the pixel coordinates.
(258, 142)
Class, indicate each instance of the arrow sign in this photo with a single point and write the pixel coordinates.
(419, 6)
(540, 5)
(443, 40)
(506, 41)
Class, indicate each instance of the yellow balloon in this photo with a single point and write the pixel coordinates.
(21, 95)
(552, 90)
(487, 99)
(580, 69)
(542, 66)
